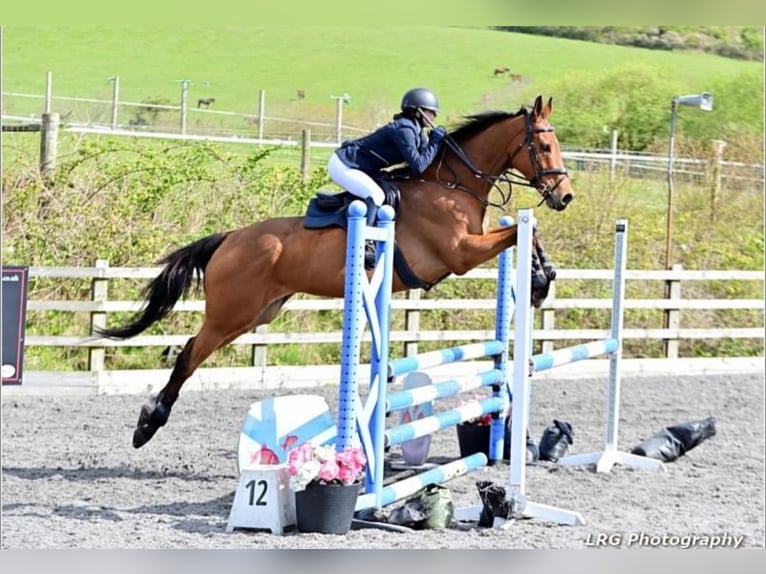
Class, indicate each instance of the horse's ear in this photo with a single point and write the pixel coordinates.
(548, 108)
(538, 109)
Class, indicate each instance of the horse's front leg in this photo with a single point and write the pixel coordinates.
(542, 274)
(475, 249)
(543, 271)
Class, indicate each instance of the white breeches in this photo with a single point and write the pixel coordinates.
(354, 181)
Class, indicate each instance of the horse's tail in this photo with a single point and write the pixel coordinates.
(173, 282)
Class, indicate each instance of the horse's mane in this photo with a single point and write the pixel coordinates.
(472, 124)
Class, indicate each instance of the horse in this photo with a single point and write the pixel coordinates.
(205, 102)
(250, 272)
(502, 70)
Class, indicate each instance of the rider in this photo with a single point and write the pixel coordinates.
(402, 140)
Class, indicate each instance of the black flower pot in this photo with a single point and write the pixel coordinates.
(326, 508)
(475, 438)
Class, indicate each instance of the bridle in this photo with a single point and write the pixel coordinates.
(506, 176)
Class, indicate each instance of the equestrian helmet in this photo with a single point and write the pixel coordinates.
(420, 98)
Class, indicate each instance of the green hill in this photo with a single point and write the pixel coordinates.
(373, 65)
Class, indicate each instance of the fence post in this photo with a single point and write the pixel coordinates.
(99, 292)
(184, 104)
(672, 318)
(49, 133)
(715, 184)
(259, 358)
(613, 158)
(115, 99)
(549, 317)
(305, 154)
(48, 92)
(411, 324)
(261, 113)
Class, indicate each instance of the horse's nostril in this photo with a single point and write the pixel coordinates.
(567, 198)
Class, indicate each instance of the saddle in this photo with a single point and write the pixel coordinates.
(330, 209)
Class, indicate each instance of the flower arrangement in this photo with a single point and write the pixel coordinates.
(485, 419)
(311, 463)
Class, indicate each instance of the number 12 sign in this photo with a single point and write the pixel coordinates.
(263, 500)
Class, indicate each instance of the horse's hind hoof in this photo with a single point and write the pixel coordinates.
(153, 415)
(143, 434)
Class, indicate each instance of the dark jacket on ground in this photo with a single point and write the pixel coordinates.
(401, 140)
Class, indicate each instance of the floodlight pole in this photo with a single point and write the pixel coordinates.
(669, 214)
(704, 102)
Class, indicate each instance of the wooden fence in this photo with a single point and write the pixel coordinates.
(412, 305)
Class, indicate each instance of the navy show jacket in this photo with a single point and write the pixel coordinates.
(399, 141)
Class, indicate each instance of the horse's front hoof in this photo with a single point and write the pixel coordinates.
(143, 434)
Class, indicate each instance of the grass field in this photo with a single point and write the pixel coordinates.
(373, 65)
(135, 187)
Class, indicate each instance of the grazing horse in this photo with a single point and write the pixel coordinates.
(501, 71)
(249, 273)
(205, 102)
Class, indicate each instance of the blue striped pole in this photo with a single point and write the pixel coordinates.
(545, 361)
(437, 475)
(448, 388)
(430, 359)
(444, 419)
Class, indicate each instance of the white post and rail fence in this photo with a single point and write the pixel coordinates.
(405, 340)
(157, 119)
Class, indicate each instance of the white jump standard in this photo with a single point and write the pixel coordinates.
(521, 376)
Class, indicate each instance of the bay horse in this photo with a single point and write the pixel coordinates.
(249, 273)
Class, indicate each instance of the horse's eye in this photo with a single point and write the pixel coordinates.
(546, 148)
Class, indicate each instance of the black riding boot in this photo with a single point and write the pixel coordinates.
(369, 245)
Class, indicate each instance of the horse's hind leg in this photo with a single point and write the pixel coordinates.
(212, 336)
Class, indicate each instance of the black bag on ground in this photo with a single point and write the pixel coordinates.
(556, 440)
(430, 508)
(495, 504)
(674, 441)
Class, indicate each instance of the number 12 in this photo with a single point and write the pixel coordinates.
(264, 485)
